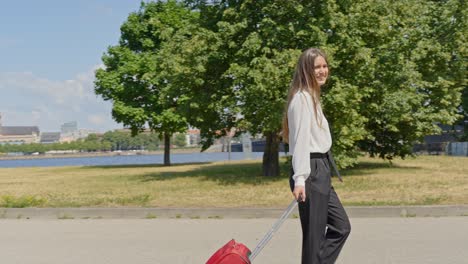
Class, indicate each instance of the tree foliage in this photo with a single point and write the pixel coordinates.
(134, 77)
(416, 79)
(393, 73)
(197, 61)
(397, 69)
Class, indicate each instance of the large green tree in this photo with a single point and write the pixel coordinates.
(385, 92)
(197, 60)
(451, 31)
(414, 79)
(231, 67)
(134, 78)
(266, 38)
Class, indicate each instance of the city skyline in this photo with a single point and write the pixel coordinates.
(61, 129)
(50, 50)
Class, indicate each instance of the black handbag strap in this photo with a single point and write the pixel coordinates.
(332, 162)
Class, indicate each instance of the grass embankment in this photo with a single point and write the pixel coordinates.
(421, 181)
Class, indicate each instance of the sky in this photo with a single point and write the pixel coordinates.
(49, 50)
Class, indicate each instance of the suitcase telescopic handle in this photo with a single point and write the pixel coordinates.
(273, 230)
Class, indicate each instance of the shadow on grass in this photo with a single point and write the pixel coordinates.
(245, 173)
(369, 167)
(224, 174)
(135, 166)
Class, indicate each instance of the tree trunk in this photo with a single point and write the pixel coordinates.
(167, 148)
(271, 155)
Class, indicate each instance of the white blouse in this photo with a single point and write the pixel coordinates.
(305, 134)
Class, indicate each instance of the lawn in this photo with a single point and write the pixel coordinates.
(424, 180)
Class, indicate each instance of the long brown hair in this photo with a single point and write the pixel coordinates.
(304, 80)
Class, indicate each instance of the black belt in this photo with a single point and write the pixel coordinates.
(317, 155)
(329, 157)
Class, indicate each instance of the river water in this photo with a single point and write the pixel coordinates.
(128, 159)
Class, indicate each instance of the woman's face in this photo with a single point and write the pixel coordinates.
(320, 70)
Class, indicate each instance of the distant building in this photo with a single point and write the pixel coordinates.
(18, 134)
(448, 134)
(79, 134)
(437, 144)
(69, 127)
(193, 137)
(50, 137)
(70, 132)
(128, 130)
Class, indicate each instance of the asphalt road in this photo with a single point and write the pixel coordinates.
(413, 240)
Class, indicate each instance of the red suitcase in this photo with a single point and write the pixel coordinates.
(231, 253)
(238, 253)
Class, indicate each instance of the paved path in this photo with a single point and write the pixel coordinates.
(413, 240)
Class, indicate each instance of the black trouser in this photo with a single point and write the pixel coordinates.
(325, 225)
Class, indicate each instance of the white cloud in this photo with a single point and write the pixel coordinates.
(97, 119)
(27, 99)
(81, 87)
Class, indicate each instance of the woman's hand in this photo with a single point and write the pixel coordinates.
(299, 193)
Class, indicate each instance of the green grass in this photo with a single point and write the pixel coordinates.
(151, 216)
(420, 181)
(11, 201)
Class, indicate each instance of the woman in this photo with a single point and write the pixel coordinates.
(325, 225)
